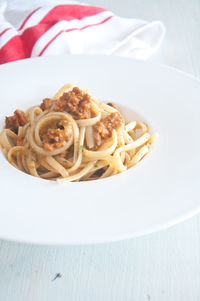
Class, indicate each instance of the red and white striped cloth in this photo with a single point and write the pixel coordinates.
(76, 29)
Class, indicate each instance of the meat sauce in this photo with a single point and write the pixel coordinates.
(53, 138)
(103, 129)
(13, 122)
(76, 102)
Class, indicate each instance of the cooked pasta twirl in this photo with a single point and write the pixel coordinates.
(73, 137)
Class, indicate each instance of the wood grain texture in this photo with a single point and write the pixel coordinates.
(162, 266)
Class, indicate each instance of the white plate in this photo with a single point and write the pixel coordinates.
(162, 190)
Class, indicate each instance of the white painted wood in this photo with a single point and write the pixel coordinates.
(163, 266)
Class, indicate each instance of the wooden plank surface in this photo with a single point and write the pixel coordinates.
(163, 266)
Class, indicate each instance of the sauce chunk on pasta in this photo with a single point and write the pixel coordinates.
(103, 129)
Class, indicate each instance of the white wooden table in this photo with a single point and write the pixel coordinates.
(163, 266)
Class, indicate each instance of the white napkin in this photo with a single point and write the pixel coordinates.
(32, 28)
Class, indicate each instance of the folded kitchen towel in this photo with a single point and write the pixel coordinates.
(74, 29)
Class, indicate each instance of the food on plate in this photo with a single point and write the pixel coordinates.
(73, 137)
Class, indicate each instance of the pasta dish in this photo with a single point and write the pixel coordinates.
(73, 137)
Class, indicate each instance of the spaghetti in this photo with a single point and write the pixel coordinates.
(73, 137)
